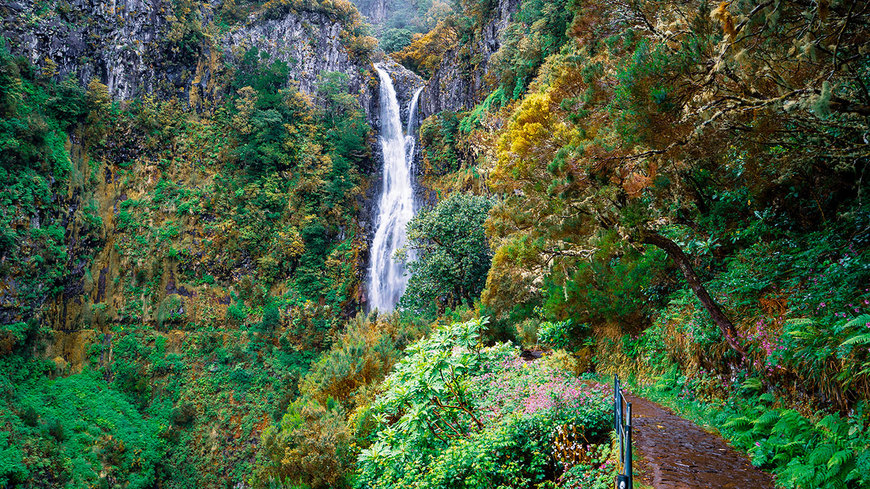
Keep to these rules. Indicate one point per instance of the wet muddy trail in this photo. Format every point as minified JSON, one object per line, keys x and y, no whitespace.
{"x":677,"y":454}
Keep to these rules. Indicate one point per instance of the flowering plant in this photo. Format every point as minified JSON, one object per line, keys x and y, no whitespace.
{"x":457,"y":414}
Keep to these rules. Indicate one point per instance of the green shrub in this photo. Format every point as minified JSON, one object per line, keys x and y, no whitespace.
{"x":555,"y":335}
{"x":92,"y":427}
{"x":237,"y":312}
{"x":457,"y":414}
{"x":395,"y":39}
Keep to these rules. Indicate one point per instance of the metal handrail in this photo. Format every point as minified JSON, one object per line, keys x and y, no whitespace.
{"x":622,"y":425}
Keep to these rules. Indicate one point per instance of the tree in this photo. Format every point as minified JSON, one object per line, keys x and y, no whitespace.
{"x":424,"y":53}
{"x":654,"y":116}
{"x":396,"y":39}
{"x":452,"y":254}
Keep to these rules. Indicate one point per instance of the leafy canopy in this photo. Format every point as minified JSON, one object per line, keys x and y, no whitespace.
{"x":451,"y":253}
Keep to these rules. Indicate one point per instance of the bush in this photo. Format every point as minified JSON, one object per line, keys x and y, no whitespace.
{"x":324,"y":428}
{"x":56,"y":429}
{"x":457,"y":414}
{"x":183,"y":414}
{"x":555,"y":335}
{"x":271,"y":318}
{"x":92,"y":428}
{"x":29,"y":416}
{"x":237,"y":312}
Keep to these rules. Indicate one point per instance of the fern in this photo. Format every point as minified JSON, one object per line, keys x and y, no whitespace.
{"x":835,"y":425}
{"x":838,"y":460}
{"x":753,"y":384}
{"x":790,"y":423}
{"x":798,"y":474}
{"x":859,"y":322}
{"x":742,"y":423}
{"x":767,"y":397}
{"x":822,"y":454}
{"x":744,"y":439}
{"x":798,"y":322}
{"x":801,"y":328}
{"x":766,"y":421}
{"x":782,"y":458}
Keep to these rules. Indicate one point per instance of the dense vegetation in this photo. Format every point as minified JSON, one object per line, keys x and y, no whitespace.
{"x":462,"y":415}
{"x":401,"y":22}
{"x":674,"y":191}
{"x":169,"y":274}
{"x":683,"y":193}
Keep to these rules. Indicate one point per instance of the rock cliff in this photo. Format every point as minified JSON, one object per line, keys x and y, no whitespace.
{"x":374,"y":10}
{"x":310,"y":43}
{"x":162,"y":48}
{"x":459,"y":81}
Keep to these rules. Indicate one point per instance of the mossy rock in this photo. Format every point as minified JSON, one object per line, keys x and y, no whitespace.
{"x":171,"y":311}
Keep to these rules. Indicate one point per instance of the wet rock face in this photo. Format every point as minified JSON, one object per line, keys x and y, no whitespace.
{"x":406,"y":82}
{"x":374,"y":10}
{"x":138,"y":47}
{"x":455,"y":86}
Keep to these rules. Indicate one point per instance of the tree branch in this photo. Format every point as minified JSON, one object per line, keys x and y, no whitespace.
{"x":684,"y":263}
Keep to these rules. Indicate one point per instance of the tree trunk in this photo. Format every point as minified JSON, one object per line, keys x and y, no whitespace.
{"x":682,"y":260}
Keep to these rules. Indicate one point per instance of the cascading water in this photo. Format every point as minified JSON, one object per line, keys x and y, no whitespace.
{"x":387,"y":278}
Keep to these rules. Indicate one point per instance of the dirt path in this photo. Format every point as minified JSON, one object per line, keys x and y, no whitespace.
{"x":677,"y":454}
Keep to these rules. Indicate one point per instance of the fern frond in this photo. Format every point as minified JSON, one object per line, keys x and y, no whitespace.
{"x":745,"y":439}
{"x":861,"y":339}
{"x":789,"y":421}
{"x":798,"y":474}
{"x":781,"y":458}
{"x":822,"y":454}
{"x":740,"y":424}
{"x":793,"y":447}
{"x":753,"y":384}
{"x":801,"y":328}
{"x":799,"y":322}
{"x":833,"y":424}
{"x":766,"y":421}
{"x":859,"y":322}
{"x":839,"y":459}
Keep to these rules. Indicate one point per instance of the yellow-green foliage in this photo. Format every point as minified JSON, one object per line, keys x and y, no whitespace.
{"x":424,"y":53}
{"x":318,"y":439}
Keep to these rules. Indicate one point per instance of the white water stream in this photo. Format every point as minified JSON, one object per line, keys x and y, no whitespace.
{"x":387,"y":279}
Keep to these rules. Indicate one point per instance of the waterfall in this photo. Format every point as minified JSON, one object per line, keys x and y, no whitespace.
{"x":387,"y":278}
{"x":410,"y":139}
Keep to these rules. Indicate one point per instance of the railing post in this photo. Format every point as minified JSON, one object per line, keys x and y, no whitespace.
{"x":622,"y":425}
{"x":616,"y":403}
{"x":628,"y":471}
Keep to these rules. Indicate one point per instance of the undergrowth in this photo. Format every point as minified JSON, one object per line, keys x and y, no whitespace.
{"x":820,"y":450}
